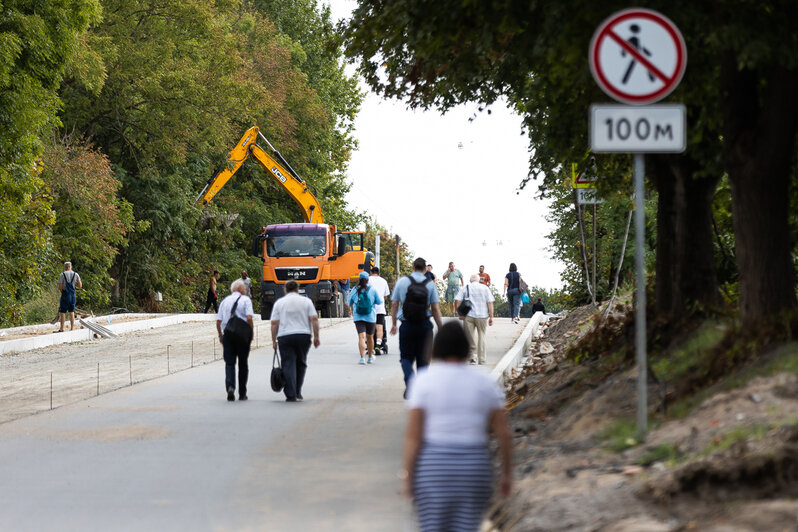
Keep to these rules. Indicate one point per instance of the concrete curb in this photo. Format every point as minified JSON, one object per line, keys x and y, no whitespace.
{"x":514,"y":355}
{"x":151,"y":321}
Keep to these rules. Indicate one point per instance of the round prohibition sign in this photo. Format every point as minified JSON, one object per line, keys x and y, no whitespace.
{"x":637,"y":56}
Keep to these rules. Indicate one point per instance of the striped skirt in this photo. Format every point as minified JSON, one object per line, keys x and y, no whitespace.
{"x":451,"y":487}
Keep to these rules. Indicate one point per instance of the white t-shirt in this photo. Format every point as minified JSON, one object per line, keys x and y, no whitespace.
{"x":457,"y":401}
{"x":243,"y":309}
{"x":293,"y":312}
{"x":381,"y":286}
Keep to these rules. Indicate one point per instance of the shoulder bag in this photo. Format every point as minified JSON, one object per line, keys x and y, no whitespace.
{"x":465,"y":305}
{"x":237,"y":328}
{"x":277,"y":377}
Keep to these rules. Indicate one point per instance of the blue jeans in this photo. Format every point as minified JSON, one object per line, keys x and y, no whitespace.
{"x":514,"y":299}
{"x":414,"y":344}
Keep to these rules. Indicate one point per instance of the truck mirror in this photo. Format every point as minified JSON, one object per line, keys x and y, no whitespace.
{"x":341,"y":245}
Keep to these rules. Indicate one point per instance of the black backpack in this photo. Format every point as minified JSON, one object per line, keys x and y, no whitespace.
{"x":416,"y":300}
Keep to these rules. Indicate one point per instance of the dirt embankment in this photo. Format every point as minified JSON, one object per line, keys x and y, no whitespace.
{"x":731,"y":464}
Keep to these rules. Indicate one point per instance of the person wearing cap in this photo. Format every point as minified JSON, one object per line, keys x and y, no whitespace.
{"x":363,"y":302}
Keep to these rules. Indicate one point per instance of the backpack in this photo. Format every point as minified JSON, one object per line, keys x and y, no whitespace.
{"x":69,"y":288}
{"x":415,"y":305}
{"x":364,"y":304}
{"x":465,"y":305}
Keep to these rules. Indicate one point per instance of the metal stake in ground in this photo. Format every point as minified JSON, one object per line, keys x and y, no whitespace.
{"x":168,"y":370}
{"x":640,"y":298}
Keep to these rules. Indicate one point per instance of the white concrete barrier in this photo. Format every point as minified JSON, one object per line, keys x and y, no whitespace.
{"x":149,"y":321}
{"x":514,"y":355}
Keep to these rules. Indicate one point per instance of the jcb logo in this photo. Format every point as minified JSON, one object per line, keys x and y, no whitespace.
{"x":279,"y":175}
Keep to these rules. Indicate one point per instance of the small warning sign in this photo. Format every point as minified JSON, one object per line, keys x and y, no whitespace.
{"x":582,"y":179}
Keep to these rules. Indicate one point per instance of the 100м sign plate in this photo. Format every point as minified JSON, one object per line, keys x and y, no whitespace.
{"x":637,"y":129}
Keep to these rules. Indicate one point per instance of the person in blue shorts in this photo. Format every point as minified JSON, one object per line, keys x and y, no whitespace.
{"x":68,"y":281}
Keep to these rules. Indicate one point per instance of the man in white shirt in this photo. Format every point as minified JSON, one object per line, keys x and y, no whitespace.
{"x":247,"y":282}
{"x":292,"y":320}
{"x":478,"y":318}
{"x":381,"y":286}
{"x":235,"y":348}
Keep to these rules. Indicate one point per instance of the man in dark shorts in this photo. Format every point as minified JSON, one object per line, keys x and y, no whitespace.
{"x":67,"y":282}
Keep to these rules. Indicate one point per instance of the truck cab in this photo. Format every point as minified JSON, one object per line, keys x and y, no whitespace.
{"x":315,"y":256}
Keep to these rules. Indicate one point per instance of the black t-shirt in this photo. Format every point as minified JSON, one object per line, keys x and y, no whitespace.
{"x":513,"y":277}
{"x":430,"y":276}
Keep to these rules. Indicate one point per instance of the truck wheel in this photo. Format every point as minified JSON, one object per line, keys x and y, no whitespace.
{"x":266,"y":311}
{"x":325,"y":310}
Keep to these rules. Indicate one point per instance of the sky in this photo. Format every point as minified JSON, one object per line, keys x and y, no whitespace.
{"x":449,"y":187}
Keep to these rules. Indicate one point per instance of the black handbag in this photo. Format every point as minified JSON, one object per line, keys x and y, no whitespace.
{"x":237,"y":328}
{"x":277,"y":378}
{"x":465,"y":305}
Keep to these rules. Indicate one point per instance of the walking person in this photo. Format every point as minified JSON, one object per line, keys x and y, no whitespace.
{"x":247,"y":283}
{"x":454,"y":281}
{"x":235,"y":348}
{"x":484,"y":278}
{"x":478,"y":318}
{"x":343,"y":289}
{"x":429,"y":275}
{"x":68,"y":281}
{"x":293,"y":319}
{"x":213,"y":297}
{"x":414,"y":300}
{"x":448,"y":466}
{"x":380,"y":334}
{"x":512,"y":289}
{"x":363,"y":301}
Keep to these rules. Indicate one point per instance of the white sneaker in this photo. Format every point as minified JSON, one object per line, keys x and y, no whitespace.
{"x":362,"y":361}
{"x":371,"y":359}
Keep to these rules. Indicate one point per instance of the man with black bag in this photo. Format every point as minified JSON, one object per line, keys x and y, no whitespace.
{"x":475,"y":307}
{"x":234,"y":324}
{"x":415,"y":299}
{"x":293,"y":317}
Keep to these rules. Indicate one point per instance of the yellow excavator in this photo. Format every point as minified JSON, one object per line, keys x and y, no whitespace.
{"x":313,"y":253}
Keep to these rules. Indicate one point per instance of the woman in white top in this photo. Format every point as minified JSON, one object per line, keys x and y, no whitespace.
{"x":452,"y":408}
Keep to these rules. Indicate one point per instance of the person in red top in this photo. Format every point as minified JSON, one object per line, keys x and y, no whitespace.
{"x":484,"y":278}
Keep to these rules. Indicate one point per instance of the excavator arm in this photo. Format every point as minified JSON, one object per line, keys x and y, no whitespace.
{"x":274,"y":164}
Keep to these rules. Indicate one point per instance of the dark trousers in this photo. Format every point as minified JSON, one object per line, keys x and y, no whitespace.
{"x":294,"y":355}
{"x":212,"y":300}
{"x":235,"y":350}
{"x":414,"y":344}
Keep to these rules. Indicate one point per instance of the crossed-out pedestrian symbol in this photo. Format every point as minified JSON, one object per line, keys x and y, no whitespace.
{"x":637,"y":56}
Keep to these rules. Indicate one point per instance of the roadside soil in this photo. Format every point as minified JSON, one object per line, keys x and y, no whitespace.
{"x":43,"y":329}
{"x":567,"y":478}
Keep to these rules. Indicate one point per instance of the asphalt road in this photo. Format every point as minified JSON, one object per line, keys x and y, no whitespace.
{"x":173,"y":454}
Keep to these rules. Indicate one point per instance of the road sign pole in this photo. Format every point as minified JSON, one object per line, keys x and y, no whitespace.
{"x":640,"y":299}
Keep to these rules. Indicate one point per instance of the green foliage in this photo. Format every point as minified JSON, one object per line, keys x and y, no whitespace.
{"x":620,"y":435}
{"x":388,"y":251}
{"x":91,"y":220}
{"x":43,"y":307}
{"x":664,"y":452}
{"x":37,"y":40}
{"x":738,"y":434}
{"x":165,"y":90}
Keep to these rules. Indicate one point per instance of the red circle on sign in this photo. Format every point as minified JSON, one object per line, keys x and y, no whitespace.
{"x":670,"y":81}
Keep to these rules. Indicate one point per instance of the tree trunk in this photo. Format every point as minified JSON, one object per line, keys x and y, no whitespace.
{"x":658,"y":170}
{"x":685,"y":272}
{"x":759,"y":142}
{"x":695,"y":273}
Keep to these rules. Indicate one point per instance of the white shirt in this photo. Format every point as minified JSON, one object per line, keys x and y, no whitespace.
{"x":381,"y":286}
{"x":457,"y":401}
{"x":248,"y":284}
{"x":479,"y":295}
{"x":293,"y":311}
{"x":243,"y":309}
